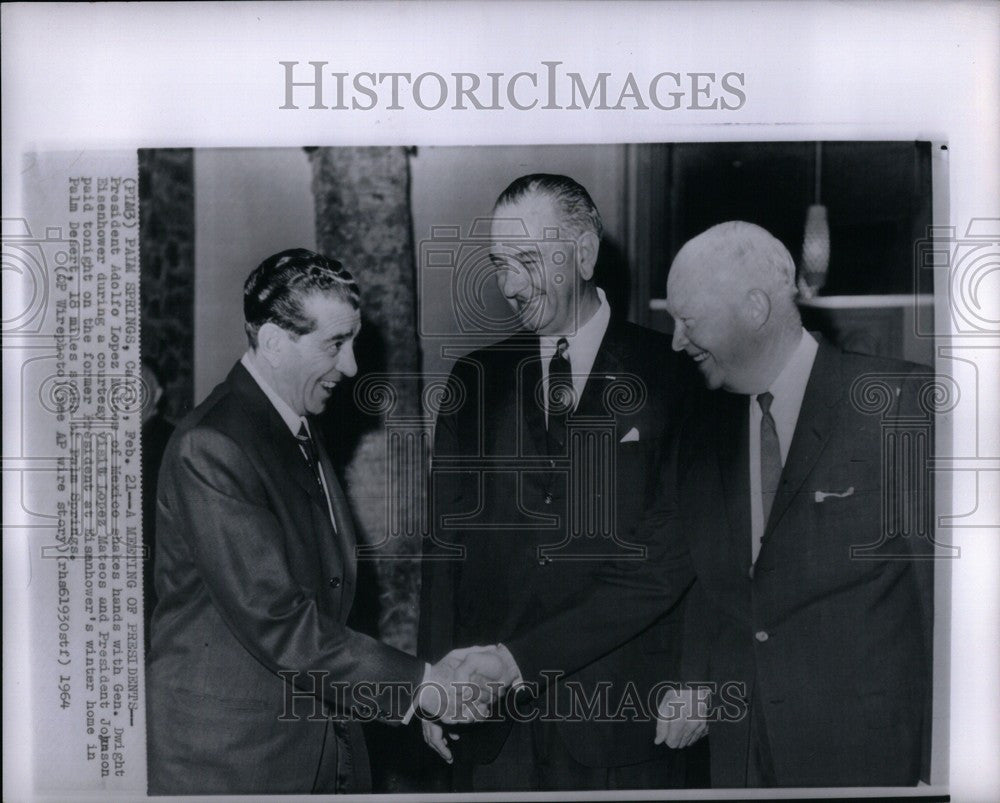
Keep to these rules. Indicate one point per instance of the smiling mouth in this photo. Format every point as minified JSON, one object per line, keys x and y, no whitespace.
{"x":700,"y":356}
{"x":328,"y":386}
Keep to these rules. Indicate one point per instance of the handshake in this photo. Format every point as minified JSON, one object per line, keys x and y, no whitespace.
{"x":461,"y":688}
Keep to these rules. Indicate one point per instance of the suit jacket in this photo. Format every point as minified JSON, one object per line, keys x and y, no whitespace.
{"x":253,"y":580}
{"x":835,"y":643}
{"x":507,"y":503}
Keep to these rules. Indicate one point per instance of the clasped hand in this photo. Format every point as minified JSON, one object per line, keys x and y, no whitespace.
{"x":461,"y":688}
{"x":681,"y":718}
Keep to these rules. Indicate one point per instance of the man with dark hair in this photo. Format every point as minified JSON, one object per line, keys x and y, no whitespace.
{"x":559,"y":432}
{"x":799,"y":498}
{"x":253,"y":676}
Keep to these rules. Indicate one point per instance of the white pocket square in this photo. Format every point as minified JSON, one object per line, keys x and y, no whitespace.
{"x":632,"y":436}
{"x":820,"y":496}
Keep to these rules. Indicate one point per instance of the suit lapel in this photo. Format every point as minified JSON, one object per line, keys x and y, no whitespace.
{"x":276,"y":435}
{"x":345,"y":538}
{"x":529,"y":377}
{"x":608,"y":362}
{"x":334,"y":549}
{"x":816,"y":422}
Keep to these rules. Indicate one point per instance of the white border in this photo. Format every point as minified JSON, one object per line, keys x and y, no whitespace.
{"x":125,"y":76}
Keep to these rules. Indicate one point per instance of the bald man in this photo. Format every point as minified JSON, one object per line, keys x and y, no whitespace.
{"x":810,"y":618}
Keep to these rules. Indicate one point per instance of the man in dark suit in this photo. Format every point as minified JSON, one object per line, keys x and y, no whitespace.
{"x":539,"y":473}
{"x":254,"y":682}
{"x":799,"y":500}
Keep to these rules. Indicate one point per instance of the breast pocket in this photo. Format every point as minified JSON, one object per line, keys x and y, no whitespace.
{"x":849,"y":493}
{"x":637,"y":457}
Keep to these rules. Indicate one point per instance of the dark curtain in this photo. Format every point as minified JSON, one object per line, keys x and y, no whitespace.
{"x":166,"y":232}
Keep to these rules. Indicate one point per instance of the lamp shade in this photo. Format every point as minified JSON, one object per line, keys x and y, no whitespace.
{"x":815,"y":252}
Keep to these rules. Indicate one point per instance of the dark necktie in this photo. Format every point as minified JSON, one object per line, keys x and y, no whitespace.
{"x":560,"y":397}
{"x":310,"y":452}
{"x":770,"y":459}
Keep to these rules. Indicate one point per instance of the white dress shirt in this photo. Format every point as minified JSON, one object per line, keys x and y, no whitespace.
{"x":581,"y":350}
{"x":292,"y":420}
{"x":788,"y":390}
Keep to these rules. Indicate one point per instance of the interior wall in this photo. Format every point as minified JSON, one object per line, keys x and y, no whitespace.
{"x":249,"y":203}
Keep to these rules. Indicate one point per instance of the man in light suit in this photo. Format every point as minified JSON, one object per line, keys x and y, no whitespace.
{"x":551,"y":484}
{"x":811,"y":616}
{"x":254,"y":682}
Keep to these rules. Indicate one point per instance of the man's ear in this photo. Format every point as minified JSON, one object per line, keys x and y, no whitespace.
{"x":271,"y":341}
{"x":758,"y":307}
{"x":587,"y":246}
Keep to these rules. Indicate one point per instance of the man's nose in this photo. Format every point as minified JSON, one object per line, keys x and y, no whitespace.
{"x":346,"y":363}
{"x":512,"y":281}
{"x":680,"y":338}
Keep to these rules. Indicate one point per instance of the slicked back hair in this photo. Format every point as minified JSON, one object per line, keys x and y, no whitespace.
{"x":276,"y":289}
{"x":578,"y":210}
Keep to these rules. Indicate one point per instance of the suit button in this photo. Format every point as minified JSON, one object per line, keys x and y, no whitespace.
{"x":548,"y":499}
{"x":334,"y":582}
{"x":761,"y":636}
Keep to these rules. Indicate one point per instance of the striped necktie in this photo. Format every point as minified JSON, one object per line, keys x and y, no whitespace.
{"x":310,"y":452}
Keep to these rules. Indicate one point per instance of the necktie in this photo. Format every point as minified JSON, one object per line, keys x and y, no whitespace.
{"x":560,"y":396}
{"x":770,"y":460}
{"x":310,"y":452}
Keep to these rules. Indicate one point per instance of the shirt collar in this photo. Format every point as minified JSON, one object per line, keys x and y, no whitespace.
{"x":586,"y":339}
{"x":794,"y":377}
{"x":292,"y":420}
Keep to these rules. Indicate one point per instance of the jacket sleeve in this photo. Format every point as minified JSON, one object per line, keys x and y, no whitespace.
{"x":701,"y":627}
{"x":238,"y":547}
{"x":622,"y":599}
